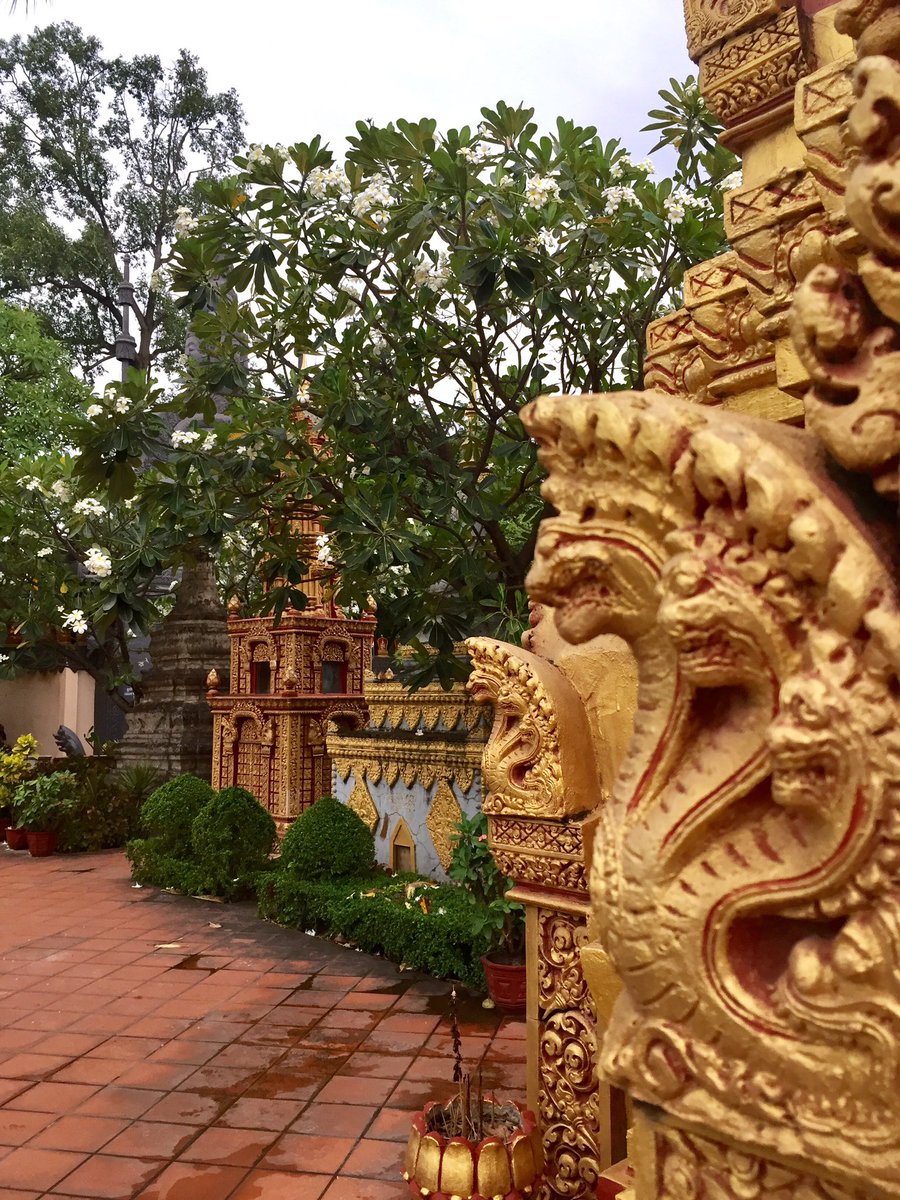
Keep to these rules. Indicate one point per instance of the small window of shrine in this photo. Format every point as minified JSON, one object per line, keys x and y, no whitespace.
{"x":260,"y":678}
{"x":403,"y":849}
{"x":334,"y":677}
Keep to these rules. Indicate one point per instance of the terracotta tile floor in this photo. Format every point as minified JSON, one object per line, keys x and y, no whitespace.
{"x":165,"y":1048}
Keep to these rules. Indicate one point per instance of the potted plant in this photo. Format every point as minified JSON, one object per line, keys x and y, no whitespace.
{"x":16,"y":764}
{"x":499,"y":922}
{"x":474,"y":1147}
{"x":41,"y":807}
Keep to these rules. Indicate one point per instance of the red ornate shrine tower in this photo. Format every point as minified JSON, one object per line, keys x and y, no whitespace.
{"x":288,"y":684}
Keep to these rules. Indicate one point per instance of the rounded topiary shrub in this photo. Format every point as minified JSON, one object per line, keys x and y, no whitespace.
{"x":168,"y":813}
{"x":232,"y":836}
{"x":327,"y":841}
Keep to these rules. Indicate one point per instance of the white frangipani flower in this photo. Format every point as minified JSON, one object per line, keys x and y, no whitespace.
{"x":323,"y":549}
{"x":98,"y":562}
{"x":545,"y":241}
{"x":89,"y":507}
{"x":646,"y":165}
{"x":540,"y":190}
{"x":322,"y":180}
{"x":30,"y":483}
{"x":257,"y":157}
{"x":184,"y":437}
{"x":123,"y":405}
{"x":619,"y":167}
{"x":75,"y":621}
{"x":44,"y":552}
{"x":732,"y":181}
{"x":433,"y":276}
{"x":209,"y":442}
{"x":618,"y":195}
{"x":61,"y":490}
{"x":477,"y":153}
{"x":376,"y":194}
{"x":185,"y":221}
{"x":94,"y":410}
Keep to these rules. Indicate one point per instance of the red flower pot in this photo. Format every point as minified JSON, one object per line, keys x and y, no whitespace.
{"x":16,"y":839}
{"x":42,"y":843}
{"x":506,"y":984}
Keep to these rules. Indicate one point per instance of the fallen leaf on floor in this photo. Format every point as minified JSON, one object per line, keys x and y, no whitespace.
{"x":213,"y":925}
{"x":169,"y":946}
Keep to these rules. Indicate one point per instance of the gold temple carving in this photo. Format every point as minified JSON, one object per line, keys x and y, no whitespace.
{"x":740,"y":944}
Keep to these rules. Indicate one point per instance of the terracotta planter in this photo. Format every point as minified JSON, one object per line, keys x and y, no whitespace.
{"x":492,"y":1169}
{"x":41,"y":843}
{"x":506,"y":984}
{"x":16,"y":839}
{"x":4,"y":825}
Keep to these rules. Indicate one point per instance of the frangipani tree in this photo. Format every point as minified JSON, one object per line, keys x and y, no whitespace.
{"x":416,"y":295}
{"x":409,"y":300}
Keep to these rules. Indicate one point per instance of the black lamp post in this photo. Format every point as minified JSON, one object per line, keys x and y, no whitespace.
{"x":125,"y":346}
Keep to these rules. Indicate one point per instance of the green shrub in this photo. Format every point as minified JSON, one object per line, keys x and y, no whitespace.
{"x":43,"y":804}
{"x":328,"y":841}
{"x":102,"y":814}
{"x":232,"y":837}
{"x":382,"y":915}
{"x":169,"y":813}
{"x":150,"y":865}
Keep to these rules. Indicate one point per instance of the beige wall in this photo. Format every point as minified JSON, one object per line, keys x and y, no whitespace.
{"x":40,"y":703}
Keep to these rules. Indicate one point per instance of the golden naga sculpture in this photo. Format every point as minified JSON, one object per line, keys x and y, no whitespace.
{"x":746,"y":869}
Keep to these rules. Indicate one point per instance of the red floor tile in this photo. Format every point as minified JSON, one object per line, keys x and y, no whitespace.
{"x":105,"y":1177}
{"x":308,"y":1152}
{"x":392,"y":1124}
{"x":18,"y":1127}
{"x":91,"y":1070}
{"x":369,"y":1001}
{"x":116,"y":1101}
{"x":374,"y":1158}
{"x":157,"y":1076}
{"x":29,"y":1167}
{"x":31,"y":1066}
{"x":190,"y":1052}
{"x":151,"y":1139}
{"x":351,"y":1090}
{"x":278,"y":1185}
{"x":194,"y":1181}
{"x":79,"y":1133}
{"x":333,"y":1120}
{"x":378,"y":1066}
{"x":366,"y":1189}
{"x":259,"y":1113}
{"x":185,"y":1108}
{"x":53,"y":1097}
{"x":231,"y":1147}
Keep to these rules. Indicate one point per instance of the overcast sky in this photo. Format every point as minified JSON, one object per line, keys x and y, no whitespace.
{"x":317,"y":66}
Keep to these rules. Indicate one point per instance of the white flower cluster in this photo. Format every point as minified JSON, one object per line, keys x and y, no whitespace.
{"x":322,"y":180}
{"x":44,"y":552}
{"x":618,"y":195}
{"x":544,"y":240}
{"x":98,"y":563}
{"x":540,"y":190}
{"x":31,"y":484}
{"x":75,"y":621}
{"x":323,"y":549}
{"x":678,"y":203}
{"x":732,"y":181}
{"x":94,"y":410}
{"x":122,"y":405}
{"x":617,"y":170}
{"x":433,"y":276}
{"x":209,"y":442}
{"x":61,"y":490}
{"x":184,"y":437}
{"x":376,"y":194}
{"x":158,"y":279}
{"x":4,"y":658}
{"x":352,"y":287}
{"x":647,"y":272}
{"x":476,"y":154}
{"x":89,"y":507}
{"x":185,"y":221}
{"x":257,"y":157}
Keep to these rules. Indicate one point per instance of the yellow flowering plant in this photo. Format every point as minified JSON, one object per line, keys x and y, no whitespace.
{"x":16,"y":765}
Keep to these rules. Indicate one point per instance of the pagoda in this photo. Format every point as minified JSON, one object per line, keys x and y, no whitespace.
{"x":291,"y":679}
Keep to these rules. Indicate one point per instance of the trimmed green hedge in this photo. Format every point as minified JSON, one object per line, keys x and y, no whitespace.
{"x":328,"y":841}
{"x":232,"y":837}
{"x":382,"y":915}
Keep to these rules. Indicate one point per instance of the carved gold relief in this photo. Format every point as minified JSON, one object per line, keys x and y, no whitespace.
{"x":443,"y":815}
{"x":755,"y":69}
{"x":711,"y":21}
{"x":747,"y":870}
{"x":362,"y":804}
{"x":569,"y":1105}
{"x":846,"y":319}
{"x":392,"y":706}
{"x":524,"y":760}
{"x":406,"y":759}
